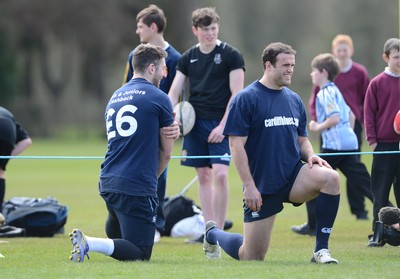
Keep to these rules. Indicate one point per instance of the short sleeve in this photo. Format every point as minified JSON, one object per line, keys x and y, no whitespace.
{"x":239,"y":117}
{"x":166,"y":115}
{"x":326,"y":105}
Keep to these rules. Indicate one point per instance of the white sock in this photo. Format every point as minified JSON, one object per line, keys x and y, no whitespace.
{"x":101,"y":245}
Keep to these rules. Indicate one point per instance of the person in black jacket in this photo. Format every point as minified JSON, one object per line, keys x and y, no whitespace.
{"x":13,"y":140}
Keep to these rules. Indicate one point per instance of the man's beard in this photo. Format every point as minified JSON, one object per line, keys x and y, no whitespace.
{"x":156,"y":81}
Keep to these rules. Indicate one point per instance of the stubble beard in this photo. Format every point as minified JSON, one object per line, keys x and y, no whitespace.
{"x":156,"y":81}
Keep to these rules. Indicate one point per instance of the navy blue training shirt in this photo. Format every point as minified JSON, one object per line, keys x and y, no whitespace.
{"x":272,"y":120}
{"x":134,"y":116}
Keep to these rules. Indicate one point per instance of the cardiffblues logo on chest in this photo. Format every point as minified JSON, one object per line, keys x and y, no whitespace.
{"x":281,"y":121}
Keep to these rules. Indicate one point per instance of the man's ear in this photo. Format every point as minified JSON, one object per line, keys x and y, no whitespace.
{"x":268,"y":65}
{"x":385,"y":57}
{"x":194,"y":30}
{"x":153,"y":27}
{"x":151,"y":69}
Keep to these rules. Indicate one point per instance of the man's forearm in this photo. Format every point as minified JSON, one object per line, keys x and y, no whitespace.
{"x":306,"y":149}
{"x":163,"y":160}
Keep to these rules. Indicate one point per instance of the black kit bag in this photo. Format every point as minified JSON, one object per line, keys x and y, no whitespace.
{"x":38,"y":216}
{"x":176,"y":209}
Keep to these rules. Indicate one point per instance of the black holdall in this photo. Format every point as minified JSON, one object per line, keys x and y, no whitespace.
{"x":41,"y":217}
{"x":176,"y":209}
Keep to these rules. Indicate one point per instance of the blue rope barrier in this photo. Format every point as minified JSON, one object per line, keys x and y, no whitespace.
{"x":183,"y":157}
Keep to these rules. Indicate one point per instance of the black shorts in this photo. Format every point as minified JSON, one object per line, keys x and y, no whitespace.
{"x":136,"y":216}
{"x":272,"y":203}
{"x":5,"y":150}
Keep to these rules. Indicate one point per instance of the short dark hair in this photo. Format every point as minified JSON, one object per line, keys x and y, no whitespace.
{"x":146,"y":54}
{"x":204,"y":17}
{"x":328,"y":62}
{"x":153,"y":14}
{"x":392,"y":43}
{"x":273,"y":50}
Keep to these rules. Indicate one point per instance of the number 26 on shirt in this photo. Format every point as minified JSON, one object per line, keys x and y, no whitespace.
{"x":123,"y":123}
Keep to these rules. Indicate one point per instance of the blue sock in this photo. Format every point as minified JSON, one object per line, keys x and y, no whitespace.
{"x":229,"y":242}
{"x":325,"y":210}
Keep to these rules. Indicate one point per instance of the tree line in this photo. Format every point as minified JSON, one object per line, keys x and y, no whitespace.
{"x":61,"y":60}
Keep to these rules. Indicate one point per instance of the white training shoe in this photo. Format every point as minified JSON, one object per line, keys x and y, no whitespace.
{"x":323,"y":256}
{"x":212,"y":251}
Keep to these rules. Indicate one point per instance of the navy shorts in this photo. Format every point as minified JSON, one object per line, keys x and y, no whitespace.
{"x":196,"y":144}
{"x":272,"y":203}
{"x":136,"y":216}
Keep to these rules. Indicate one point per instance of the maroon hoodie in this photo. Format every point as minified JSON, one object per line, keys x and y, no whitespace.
{"x":382,"y":102}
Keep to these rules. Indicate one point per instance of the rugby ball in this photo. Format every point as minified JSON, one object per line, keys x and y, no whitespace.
{"x":396,"y":123}
{"x":185,"y":115}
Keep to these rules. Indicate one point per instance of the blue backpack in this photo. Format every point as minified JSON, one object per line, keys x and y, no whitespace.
{"x":38,"y":216}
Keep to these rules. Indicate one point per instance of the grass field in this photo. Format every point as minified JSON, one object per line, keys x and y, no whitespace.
{"x":74,"y":183}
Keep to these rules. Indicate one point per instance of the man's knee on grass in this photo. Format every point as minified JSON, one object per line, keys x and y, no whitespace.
{"x":126,"y":251}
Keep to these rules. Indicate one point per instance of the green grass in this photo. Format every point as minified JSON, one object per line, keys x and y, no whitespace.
{"x":74,"y":183}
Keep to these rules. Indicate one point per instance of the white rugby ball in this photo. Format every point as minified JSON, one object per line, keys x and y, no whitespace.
{"x":184,"y":113}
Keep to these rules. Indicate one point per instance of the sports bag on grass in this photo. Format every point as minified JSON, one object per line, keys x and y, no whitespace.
{"x":182,"y":217}
{"x":38,"y":216}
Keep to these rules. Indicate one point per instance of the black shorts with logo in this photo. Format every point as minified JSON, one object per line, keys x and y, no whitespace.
{"x":272,"y":203}
{"x":135,"y":216}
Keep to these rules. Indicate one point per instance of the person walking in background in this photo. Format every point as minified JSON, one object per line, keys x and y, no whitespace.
{"x":264,"y":118}
{"x":141,"y":131}
{"x":13,"y":140}
{"x":335,"y":122}
{"x":151,"y":23}
{"x":382,"y":102}
{"x":215,"y":71}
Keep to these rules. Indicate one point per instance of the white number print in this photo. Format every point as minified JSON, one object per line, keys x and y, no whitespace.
{"x":123,"y":119}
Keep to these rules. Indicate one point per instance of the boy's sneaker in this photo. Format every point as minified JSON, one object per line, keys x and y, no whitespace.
{"x":323,"y":256}
{"x":303,"y":229}
{"x":80,"y":246}
{"x":212,"y":251}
